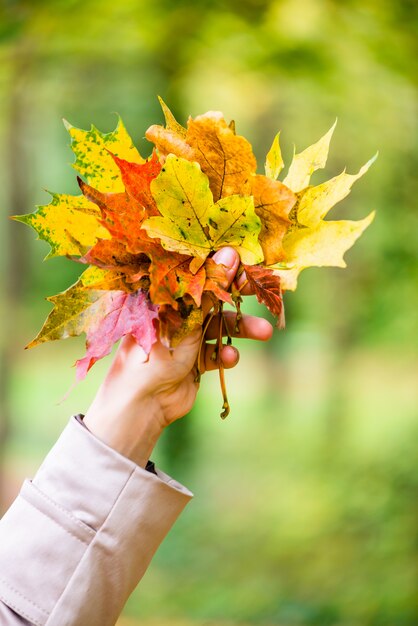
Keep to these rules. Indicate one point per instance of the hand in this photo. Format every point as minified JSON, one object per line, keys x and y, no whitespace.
{"x":141,"y":396}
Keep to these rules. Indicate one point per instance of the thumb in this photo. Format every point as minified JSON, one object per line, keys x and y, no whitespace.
{"x":229,"y":258}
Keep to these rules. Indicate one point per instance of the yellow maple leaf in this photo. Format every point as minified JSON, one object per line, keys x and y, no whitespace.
{"x":310,"y":240}
{"x":70,"y":224}
{"x":93,"y":159}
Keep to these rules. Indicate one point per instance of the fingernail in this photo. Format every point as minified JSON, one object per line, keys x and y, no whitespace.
{"x":226,"y":256}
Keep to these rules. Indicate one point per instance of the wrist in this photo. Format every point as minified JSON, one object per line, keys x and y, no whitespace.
{"x":131,"y":429}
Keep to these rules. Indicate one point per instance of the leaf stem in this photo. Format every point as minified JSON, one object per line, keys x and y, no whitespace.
{"x":243,"y":285}
{"x":202,"y":340}
{"x":237,"y":298}
{"x":225,"y":406}
{"x":228,"y":335}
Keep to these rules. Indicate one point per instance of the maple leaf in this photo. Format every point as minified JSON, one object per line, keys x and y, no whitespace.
{"x":68,"y":223}
{"x":190,"y":223}
{"x":311,"y":240}
{"x":266,"y":286}
{"x":125,"y":314}
{"x":93,"y":151}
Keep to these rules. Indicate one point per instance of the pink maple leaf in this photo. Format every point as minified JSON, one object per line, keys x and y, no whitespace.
{"x":125,"y":314}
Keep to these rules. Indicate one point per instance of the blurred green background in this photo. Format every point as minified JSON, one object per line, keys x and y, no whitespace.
{"x":305,"y":506}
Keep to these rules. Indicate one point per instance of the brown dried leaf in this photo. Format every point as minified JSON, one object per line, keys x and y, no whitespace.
{"x":266,"y":286}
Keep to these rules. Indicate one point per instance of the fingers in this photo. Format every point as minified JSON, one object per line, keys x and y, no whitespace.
{"x":229,"y":258}
{"x":250,"y":327}
{"x":229,"y":357}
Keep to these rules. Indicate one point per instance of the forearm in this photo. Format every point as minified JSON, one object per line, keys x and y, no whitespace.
{"x":80,"y":536}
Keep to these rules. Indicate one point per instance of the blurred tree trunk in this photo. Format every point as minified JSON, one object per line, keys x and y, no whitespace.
{"x":15,"y":246}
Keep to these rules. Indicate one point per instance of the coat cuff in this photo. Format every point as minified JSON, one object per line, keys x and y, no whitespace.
{"x":80,"y":536}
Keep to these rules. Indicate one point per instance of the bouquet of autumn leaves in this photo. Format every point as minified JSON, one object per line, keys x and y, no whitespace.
{"x":147,"y":230}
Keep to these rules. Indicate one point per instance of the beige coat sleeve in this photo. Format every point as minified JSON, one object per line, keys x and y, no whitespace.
{"x":79,"y":537}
